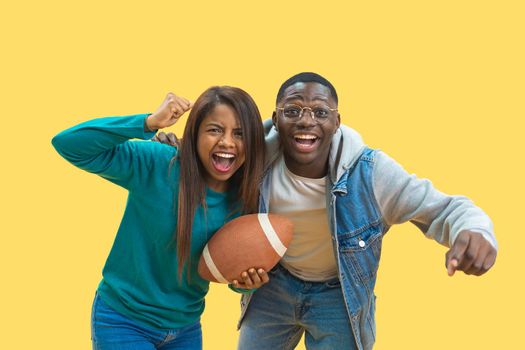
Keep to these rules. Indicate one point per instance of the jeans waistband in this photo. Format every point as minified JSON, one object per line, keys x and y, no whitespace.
{"x":281,"y":269}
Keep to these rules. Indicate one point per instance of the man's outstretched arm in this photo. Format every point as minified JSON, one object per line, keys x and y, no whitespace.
{"x":453,"y":221}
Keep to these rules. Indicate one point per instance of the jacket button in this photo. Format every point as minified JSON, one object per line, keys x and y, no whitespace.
{"x":361,"y":243}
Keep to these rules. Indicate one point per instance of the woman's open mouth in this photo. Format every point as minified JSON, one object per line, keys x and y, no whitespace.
{"x":223,"y":162}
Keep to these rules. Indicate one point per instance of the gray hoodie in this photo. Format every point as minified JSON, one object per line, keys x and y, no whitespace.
{"x":401,"y":196}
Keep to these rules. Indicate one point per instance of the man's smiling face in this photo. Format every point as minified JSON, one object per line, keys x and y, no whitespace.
{"x":306,"y":142}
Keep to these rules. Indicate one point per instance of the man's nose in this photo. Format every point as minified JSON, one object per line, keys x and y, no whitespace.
{"x":307,"y":118}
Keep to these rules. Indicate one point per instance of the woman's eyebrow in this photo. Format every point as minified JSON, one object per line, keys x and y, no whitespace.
{"x":214,"y":124}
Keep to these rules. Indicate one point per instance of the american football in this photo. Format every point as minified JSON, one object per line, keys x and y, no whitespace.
{"x":254,"y":240}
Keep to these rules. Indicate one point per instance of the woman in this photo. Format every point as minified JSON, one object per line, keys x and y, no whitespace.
{"x":151,"y":296}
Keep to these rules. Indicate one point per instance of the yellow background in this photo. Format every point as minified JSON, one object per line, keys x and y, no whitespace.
{"x":439,"y":85}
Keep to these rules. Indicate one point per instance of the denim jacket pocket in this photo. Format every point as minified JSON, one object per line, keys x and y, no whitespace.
{"x":361,"y":249}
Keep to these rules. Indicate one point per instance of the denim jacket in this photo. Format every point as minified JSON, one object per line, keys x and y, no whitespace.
{"x":366,"y":193}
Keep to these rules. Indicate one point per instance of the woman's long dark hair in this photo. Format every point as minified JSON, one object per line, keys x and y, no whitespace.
{"x":192,"y":186}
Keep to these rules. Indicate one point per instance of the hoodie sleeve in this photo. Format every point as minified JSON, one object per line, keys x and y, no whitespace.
{"x":405,"y":197}
{"x":101,"y":146}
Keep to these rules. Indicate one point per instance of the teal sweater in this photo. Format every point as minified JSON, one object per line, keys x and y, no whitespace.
{"x":140,"y":275}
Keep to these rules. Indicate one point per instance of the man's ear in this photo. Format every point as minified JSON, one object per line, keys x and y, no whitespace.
{"x":274,"y":121}
{"x":338,"y":121}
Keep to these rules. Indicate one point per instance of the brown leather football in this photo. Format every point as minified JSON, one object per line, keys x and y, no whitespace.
{"x":254,"y":240}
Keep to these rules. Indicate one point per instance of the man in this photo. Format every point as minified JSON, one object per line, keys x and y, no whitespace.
{"x":342,"y":198}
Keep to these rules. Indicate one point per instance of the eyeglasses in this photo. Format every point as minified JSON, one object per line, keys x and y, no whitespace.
{"x":292,"y":113}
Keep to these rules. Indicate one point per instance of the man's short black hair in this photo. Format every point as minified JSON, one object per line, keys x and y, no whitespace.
{"x":306,"y":77}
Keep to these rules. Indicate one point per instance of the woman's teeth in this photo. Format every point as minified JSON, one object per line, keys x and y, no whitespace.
{"x":224,"y":155}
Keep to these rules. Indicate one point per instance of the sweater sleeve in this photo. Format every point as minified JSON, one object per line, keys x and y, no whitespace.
{"x":241,"y":290}
{"x":405,"y":197}
{"x":101,"y":146}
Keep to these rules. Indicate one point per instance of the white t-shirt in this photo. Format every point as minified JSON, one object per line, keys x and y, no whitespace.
{"x":310,"y":255}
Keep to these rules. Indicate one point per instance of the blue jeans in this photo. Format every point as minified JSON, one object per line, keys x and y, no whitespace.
{"x":286,"y":307}
{"x":113,"y":331}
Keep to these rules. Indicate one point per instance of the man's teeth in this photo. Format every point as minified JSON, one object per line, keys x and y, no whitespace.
{"x":305,"y":137}
{"x":225,"y":155}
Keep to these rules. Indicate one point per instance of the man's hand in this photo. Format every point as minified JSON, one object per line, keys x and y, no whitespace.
{"x":470,"y":253}
{"x":171,"y":109}
{"x":252,"y":279}
{"x":167,"y":138}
